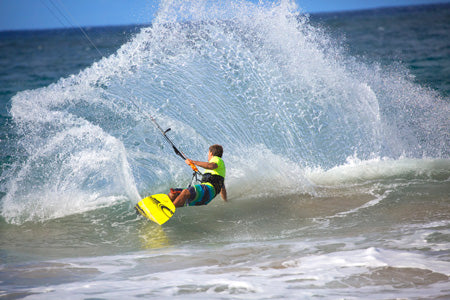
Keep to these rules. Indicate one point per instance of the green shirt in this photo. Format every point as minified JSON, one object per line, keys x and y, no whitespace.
{"x":215,"y":177}
{"x":220,"y":170}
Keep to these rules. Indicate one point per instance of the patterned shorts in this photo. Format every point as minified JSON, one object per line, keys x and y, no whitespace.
{"x":201,"y":194}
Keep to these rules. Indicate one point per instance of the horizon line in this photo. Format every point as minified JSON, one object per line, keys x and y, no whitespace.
{"x":90,"y":27}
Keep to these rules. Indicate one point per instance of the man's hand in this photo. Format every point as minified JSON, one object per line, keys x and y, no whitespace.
{"x":191,"y":164}
{"x":223,"y":193}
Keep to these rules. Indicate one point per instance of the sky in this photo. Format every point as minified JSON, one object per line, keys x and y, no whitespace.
{"x":46,"y":14}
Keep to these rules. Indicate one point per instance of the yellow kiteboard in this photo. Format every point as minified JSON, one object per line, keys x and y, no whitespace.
{"x":158,"y":208}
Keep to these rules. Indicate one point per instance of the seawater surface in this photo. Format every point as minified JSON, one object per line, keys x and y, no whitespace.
{"x":336,"y":136}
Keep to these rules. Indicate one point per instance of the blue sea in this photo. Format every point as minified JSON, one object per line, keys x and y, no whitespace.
{"x":336,"y":133}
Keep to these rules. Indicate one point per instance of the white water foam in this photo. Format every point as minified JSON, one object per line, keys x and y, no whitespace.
{"x":236,"y":272}
{"x":357,"y":171}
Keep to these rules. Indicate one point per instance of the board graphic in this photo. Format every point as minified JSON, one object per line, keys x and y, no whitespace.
{"x":157,"y":208}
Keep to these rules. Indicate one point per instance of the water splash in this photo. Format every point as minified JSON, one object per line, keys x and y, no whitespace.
{"x":274,"y":90}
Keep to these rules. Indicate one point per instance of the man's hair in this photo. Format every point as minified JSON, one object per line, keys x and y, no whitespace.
{"x":216,"y":150}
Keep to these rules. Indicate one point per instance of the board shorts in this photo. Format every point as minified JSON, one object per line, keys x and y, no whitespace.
{"x":201,"y":194}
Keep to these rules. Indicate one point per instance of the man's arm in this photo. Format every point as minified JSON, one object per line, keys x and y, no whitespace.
{"x":223,"y":193}
{"x":202,"y":164}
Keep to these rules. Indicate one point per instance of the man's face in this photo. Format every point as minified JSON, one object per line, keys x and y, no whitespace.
{"x":209,"y":155}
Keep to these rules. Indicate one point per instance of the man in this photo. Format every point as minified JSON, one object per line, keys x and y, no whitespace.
{"x":212,"y":183}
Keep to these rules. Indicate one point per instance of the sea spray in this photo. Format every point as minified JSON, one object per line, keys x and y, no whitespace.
{"x":258,"y":79}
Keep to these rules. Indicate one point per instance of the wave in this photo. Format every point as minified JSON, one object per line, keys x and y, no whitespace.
{"x":274,"y":90}
{"x":356,"y":171}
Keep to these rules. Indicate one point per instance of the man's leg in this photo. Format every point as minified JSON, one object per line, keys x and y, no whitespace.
{"x":181,"y":199}
{"x":174,"y":192}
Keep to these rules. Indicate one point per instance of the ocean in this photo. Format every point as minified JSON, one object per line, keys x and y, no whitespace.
{"x":335,"y":128}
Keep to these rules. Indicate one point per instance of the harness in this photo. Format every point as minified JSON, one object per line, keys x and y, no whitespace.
{"x":216,"y":181}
